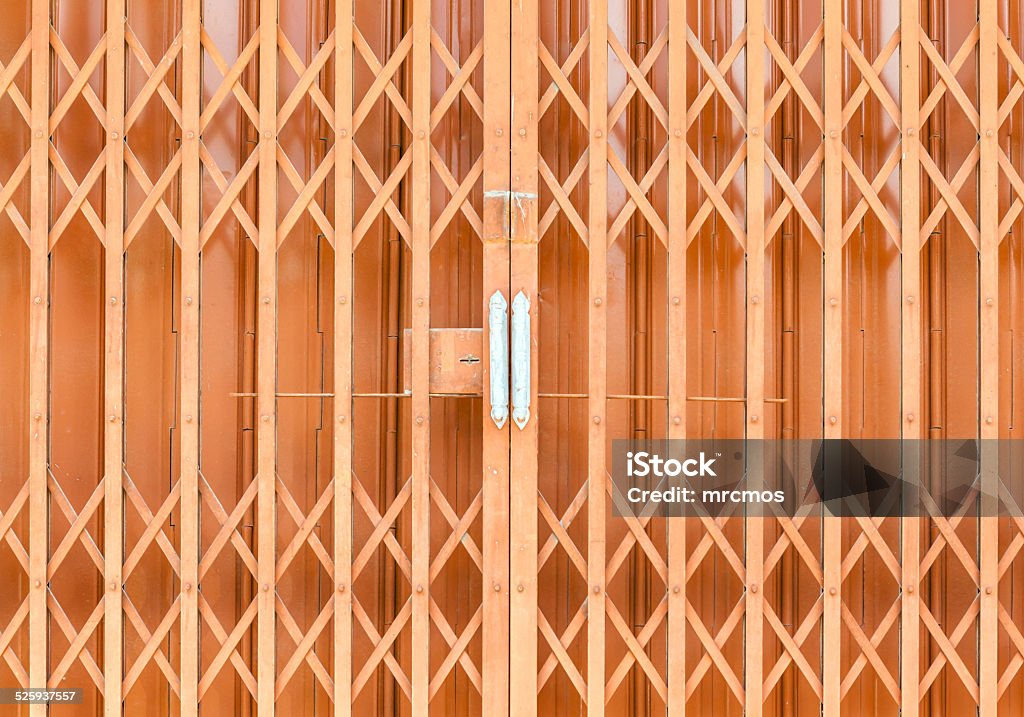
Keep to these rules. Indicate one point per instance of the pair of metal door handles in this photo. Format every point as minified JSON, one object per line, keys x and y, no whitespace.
{"x":497,"y":321}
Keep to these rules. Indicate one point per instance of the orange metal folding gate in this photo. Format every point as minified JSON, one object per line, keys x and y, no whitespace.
{"x":227,"y":226}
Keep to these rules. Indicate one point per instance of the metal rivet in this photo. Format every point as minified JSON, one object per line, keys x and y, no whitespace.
{"x":676,"y":420}
{"x":597,"y":589}
{"x":753,"y":419}
{"x":497,"y":588}
{"x":910,"y":418}
{"x":988,"y":591}
{"x":910,"y":131}
{"x":419,"y":420}
{"x":597,"y":419}
{"x":675,"y":589}
{"x":266,"y":299}
{"x":753,"y":587}
{"x":113,"y":300}
{"x":910,"y":589}
{"x":598,"y":301}
{"x":341,"y":587}
{"x":341,"y":419}
{"x":188,"y":587}
{"x":188,"y":301}
{"x":113,"y":135}
{"x":266,"y":587}
{"x":421,"y":134}
{"x":191,"y":135}
{"x":37,"y":416}
{"x":342,"y":299}
{"x":831,"y":591}
{"x":419,"y":302}
{"x":188,"y":419}
{"x":39,"y":133}
{"x":267,"y":134}
{"x":112,"y":418}
{"x":599,"y":133}
{"x":989,"y":301}
{"x":113,"y":586}
{"x":522,"y":132}
{"x":675,"y":301}
{"x":499,"y":131}
{"x":264,"y":418}
{"x":833,"y":301}
{"x":419,"y":588}
{"x":910,"y":299}
{"x":833,"y":134}
{"x":37,"y":300}
{"x":832,"y":420}
{"x":988,"y":419}
{"x":519,"y":587}
{"x":755,"y":299}
{"x":988,"y":133}
{"x":343,"y":133}
{"x":677,"y":133}
{"x":39,"y":584}
{"x":755,"y":131}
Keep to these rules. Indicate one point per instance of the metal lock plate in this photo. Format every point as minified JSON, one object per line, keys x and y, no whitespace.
{"x":456,"y":361}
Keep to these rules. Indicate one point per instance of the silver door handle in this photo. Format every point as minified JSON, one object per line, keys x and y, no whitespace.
{"x":497,"y":321}
{"x":521,"y":360}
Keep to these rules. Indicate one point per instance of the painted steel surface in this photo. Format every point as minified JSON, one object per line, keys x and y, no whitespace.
{"x":726,"y":218}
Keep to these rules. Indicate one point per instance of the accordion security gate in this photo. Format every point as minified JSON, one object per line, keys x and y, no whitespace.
{"x":247,"y":463}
